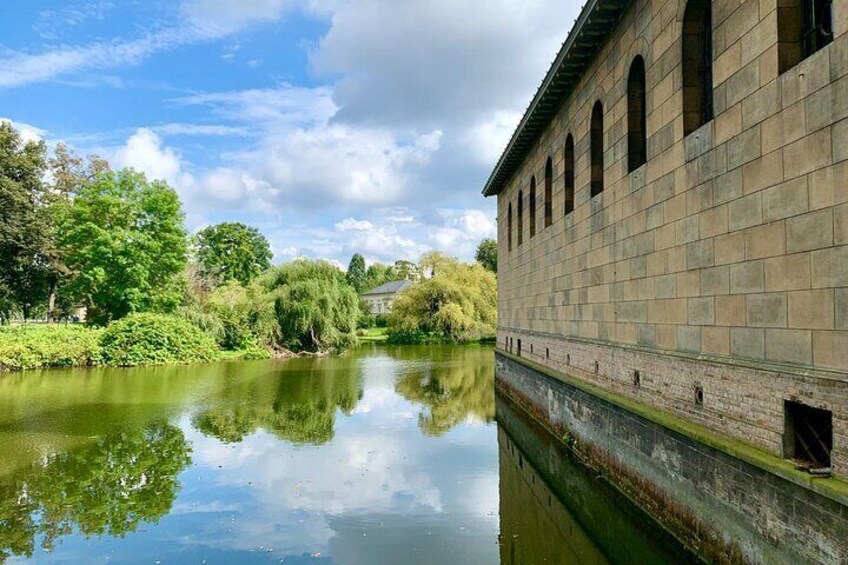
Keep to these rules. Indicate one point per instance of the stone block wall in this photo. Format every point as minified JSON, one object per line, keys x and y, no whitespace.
{"x":727,"y":249}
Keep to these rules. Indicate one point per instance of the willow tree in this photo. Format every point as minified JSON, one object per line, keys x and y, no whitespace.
{"x":316,"y":308}
{"x":455,"y":302}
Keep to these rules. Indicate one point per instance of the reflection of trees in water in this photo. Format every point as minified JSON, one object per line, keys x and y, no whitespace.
{"x":452,"y":392}
{"x":110,"y":487}
{"x":298,"y":407}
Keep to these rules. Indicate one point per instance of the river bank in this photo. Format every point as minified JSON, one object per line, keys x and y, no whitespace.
{"x":139,"y":340}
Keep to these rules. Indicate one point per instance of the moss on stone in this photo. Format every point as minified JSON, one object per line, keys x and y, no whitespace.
{"x":833,"y":488}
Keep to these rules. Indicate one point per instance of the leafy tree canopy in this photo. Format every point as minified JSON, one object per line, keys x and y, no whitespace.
{"x":24,"y":221}
{"x":232,"y":251}
{"x":125,"y":242}
{"x":487,"y":254}
{"x":356,"y":273}
{"x":457,"y":302}
{"x":316,"y":308}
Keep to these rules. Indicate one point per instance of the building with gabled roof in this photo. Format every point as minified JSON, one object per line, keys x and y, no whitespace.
{"x":381,"y":298}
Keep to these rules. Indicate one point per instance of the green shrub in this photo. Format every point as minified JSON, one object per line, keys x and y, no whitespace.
{"x":54,"y":345}
{"x":155,"y":339}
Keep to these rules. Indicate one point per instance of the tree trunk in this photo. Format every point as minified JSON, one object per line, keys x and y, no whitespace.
{"x":51,"y":303}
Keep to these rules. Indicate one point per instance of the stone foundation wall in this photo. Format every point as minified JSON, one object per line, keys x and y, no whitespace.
{"x":738,"y":509}
{"x":668,"y":380}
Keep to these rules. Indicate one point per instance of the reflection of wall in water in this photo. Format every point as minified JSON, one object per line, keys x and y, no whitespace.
{"x":535,"y":526}
{"x":555,"y":510}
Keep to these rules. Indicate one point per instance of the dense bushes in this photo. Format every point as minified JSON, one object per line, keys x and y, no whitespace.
{"x":155,"y":339}
{"x":31,"y":347}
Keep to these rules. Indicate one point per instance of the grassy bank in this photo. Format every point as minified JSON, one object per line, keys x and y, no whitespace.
{"x":373,"y":335}
{"x":140,"y":339}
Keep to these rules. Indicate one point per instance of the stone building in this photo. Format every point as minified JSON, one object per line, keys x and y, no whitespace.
{"x":381,"y":298}
{"x":673,"y":232}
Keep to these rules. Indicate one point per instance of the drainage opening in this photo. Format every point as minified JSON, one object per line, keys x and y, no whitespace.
{"x":637,"y":378}
{"x":699,"y":395}
{"x":808,"y":436}
{"x":547,"y":353}
{"x":597,"y":367}
{"x":519,"y":348}
{"x":568,"y":358}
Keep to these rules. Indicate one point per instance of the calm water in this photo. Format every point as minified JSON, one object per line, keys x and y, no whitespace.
{"x":388,"y":455}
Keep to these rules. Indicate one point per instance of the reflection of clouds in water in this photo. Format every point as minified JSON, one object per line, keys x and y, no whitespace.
{"x":295,"y":497}
{"x":361,"y":472}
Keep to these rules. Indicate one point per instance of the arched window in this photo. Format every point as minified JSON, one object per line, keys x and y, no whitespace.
{"x":803,"y":27}
{"x":569,"y":174}
{"x":597,"y":148}
{"x":697,"y":65}
{"x":509,"y":227}
{"x":532,"y":205}
{"x":549,"y":192}
{"x":520,"y":217}
{"x":637,"y":128}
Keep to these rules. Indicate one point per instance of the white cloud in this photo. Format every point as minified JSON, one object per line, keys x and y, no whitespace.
{"x":488,"y":138}
{"x":203,"y":20}
{"x":22,"y":68}
{"x":145,"y":152}
{"x":221,"y":17}
{"x":350,"y":224}
{"x":205,"y":130}
{"x":28,"y":132}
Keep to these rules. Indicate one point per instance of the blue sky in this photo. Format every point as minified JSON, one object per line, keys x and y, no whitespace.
{"x":334,"y":126}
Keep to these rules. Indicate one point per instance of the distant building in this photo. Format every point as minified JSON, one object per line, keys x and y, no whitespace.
{"x":381,"y":298}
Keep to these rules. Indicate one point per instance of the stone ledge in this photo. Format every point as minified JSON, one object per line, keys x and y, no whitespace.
{"x":832,"y":488}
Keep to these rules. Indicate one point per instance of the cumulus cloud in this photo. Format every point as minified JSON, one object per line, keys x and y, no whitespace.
{"x":145,"y":152}
{"x":306,"y":159}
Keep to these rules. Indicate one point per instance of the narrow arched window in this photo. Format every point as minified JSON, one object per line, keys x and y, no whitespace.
{"x":637,"y":120}
{"x":532,"y":205}
{"x":597,"y":148}
{"x":803,"y":27}
{"x":520,"y":217}
{"x":569,"y":174}
{"x":697,"y":65}
{"x":549,"y":192}
{"x":509,"y":227}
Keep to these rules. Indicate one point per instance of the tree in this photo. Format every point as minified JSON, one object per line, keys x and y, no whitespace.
{"x":487,"y":254}
{"x":458,"y":302}
{"x":69,"y":174}
{"x":232,"y":251}
{"x":356,"y":274}
{"x":377,"y":274}
{"x":405,"y":270}
{"x":316,"y":309}
{"x":24,"y":222}
{"x":125,"y":243}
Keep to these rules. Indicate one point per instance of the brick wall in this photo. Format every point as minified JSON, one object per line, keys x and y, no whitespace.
{"x":729,"y":248}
